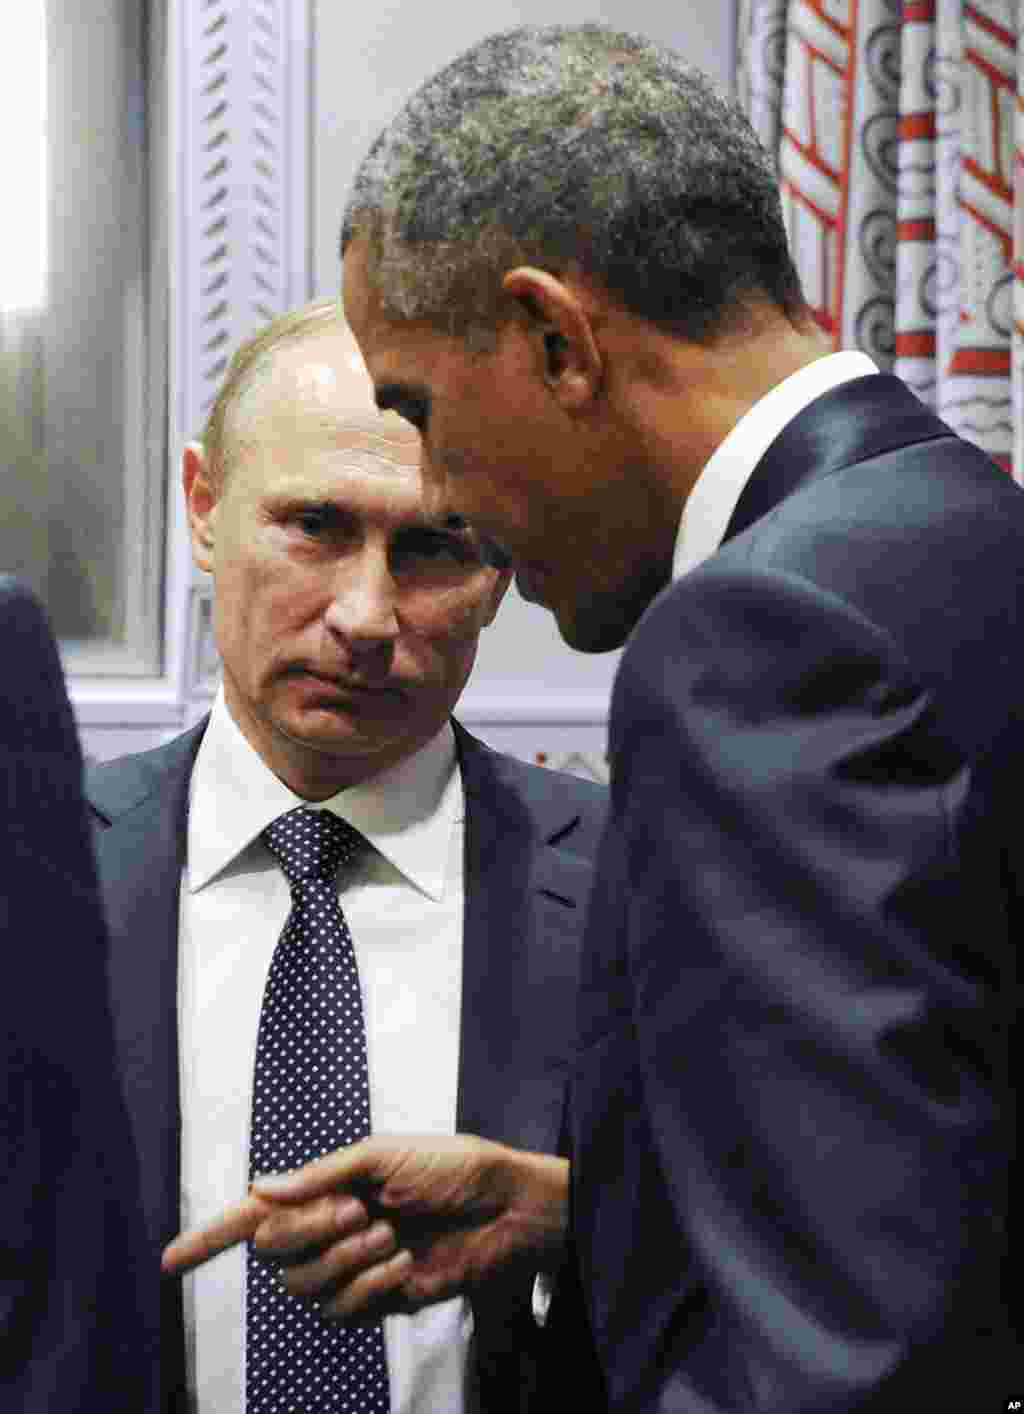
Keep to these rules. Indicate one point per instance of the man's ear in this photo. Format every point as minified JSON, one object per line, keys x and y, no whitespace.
{"x":561,"y":323}
{"x":200,"y":503}
{"x":502,"y":580}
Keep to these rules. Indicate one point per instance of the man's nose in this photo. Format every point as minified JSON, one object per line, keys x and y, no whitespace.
{"x":363,"y":607}
{"x":432,"y":488}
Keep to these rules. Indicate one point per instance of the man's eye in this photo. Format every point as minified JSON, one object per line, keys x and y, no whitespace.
{"x":314,"y":522}
{"x":414,"y":413}
{"x":430,"y":545}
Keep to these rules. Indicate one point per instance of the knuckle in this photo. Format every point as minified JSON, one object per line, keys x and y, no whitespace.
{"x":266,"y":1236}
{"x":421,"y":1290}
{"x":337,"y":1264}
{"x":345,"y":1306}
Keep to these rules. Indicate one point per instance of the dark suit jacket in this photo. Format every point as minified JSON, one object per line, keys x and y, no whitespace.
{"x":530,"y":838}
{"x":71,"y":1336}
{"x":793,"y":1112}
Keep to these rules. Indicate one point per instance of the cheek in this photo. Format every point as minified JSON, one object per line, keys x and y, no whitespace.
{"x":500,"y":490}
{"x":441,"y":614}
{"x":443,"y":630}
{"x":260,"y":596}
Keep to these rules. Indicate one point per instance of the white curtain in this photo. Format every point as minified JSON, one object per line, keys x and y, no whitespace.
{"x":899,"y":135}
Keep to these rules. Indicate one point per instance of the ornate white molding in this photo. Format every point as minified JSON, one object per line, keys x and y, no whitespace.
{"x":242,"y":250}
{"x":240,"y":234}
{"x":204,"y":669}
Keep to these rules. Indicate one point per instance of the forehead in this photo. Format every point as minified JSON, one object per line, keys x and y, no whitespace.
{"x":311,"y":404}
{"x":321,"y":374}
{"x":394,"y":349}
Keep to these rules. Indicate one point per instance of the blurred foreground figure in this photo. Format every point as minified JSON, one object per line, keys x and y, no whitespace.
{"x":72,"y":1336}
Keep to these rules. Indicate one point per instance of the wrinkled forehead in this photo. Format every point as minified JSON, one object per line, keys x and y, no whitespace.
{"x":324,"y":364}
{"x":318,"y":391}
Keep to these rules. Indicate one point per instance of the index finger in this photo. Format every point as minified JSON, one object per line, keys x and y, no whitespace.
{"x":368,"y":1163}
{"x":237,"y":1224}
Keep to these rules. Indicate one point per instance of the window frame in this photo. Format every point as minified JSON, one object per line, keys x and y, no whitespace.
{"x":229,"y":102}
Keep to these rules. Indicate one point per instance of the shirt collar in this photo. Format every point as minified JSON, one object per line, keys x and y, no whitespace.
{"x":713,"y":498}
{"x":407,"y":812}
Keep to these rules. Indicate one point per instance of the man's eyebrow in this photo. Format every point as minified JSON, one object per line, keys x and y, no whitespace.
{"x":396,"y":395}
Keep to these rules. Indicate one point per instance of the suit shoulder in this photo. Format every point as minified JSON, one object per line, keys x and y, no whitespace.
{"x":590,"y":797}
{"x":568,"y":809}
{"x":546,"y":780}
{"x":112,"y":787}
{"x":571,"y":809}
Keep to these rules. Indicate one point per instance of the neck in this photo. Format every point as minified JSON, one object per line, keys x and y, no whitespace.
{"x":685,"y":398}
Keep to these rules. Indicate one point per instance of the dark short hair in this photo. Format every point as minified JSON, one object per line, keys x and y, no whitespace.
{"x":573,"y":144}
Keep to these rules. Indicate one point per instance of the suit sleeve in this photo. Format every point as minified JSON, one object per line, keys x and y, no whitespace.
{"x":807,"y":960}
{"x":72,"y":1240}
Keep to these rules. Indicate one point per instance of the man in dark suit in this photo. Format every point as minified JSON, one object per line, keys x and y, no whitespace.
{"x":347,"y":626}
{"x":792,"y":1113}
{"x":72,"y":1335}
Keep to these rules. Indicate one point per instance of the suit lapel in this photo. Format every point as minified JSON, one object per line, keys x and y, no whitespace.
{"x":140,"y":857}
{"x":524,"y":906}
{"x":862,"y":418}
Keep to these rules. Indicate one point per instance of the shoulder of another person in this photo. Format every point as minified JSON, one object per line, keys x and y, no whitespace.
{"x":542,"y":791}
{"x":576,"y":791}
{"x":112,"y":787}
{"x":713,"y":631}
{"x":588,"y":794}
{"x":586,"y":801}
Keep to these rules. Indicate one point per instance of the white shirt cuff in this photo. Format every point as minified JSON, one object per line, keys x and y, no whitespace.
{"x":543,"y":1290}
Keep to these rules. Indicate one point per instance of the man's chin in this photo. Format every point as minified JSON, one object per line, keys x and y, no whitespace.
{"x":349,"y":744}
{"x":587,"y":634}
{"x":599,"y":623}
{"x":530,"y":585}
{"x":594,"y":620}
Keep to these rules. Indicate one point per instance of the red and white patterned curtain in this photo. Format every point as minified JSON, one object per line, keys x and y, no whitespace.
{"x":899,"y":134}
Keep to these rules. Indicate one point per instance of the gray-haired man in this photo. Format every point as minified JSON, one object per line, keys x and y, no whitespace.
{"x":792,"y":1112}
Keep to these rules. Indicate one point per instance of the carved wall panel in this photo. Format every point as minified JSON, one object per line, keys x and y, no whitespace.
{"x":240,"y":248}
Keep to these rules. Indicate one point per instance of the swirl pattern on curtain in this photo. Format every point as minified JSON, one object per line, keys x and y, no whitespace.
{"x":898,"y":130}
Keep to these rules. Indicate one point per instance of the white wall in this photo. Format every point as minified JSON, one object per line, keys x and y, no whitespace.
{"x":367,"y":58}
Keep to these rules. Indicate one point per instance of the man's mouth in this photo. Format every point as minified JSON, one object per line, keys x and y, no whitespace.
{"x":494,"y":554}
{"x":348,"y":687}
{"x":530,"y":580}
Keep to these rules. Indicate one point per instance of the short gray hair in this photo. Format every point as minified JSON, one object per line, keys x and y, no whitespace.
{"x":572,"y":144}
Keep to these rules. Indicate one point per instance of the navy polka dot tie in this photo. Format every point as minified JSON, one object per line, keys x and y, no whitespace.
{"x":311,"y":1095}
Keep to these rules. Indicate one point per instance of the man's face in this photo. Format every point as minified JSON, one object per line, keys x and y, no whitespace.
{"x":346,"y":622}
{"x":563,"y":498}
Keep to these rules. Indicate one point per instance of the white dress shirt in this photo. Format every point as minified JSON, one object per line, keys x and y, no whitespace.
{"x":404,"y":907}
{"x":717,"y":489}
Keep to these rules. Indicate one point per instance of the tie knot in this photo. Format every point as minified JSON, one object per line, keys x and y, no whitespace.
{"x":310,"y":844}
